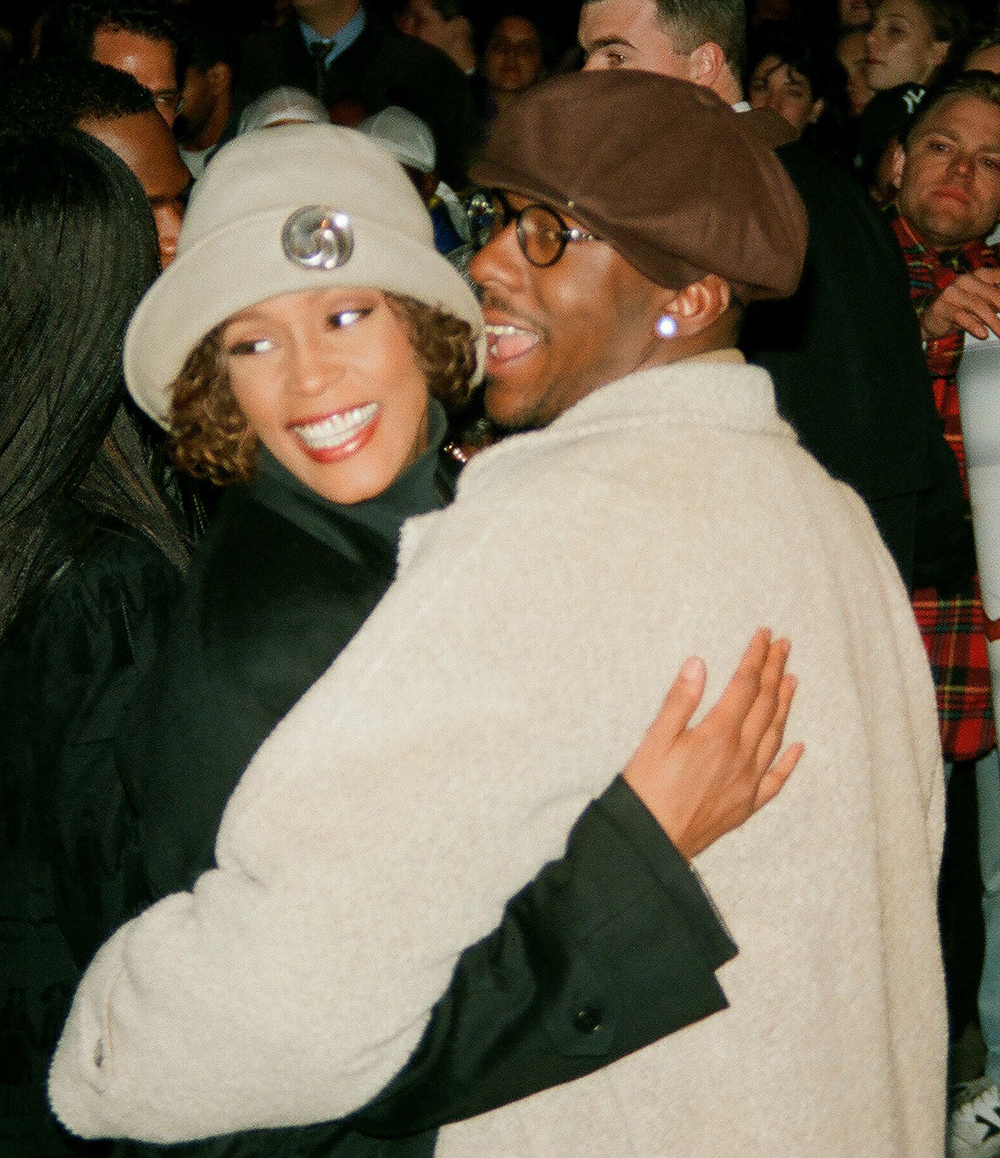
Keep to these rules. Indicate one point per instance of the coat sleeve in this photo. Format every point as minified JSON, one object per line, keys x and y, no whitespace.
{"x":609,"y":949}
{"x":379,"y":831}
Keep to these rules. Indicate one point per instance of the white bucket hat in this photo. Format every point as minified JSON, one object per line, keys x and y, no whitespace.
{"x":298,"y":207}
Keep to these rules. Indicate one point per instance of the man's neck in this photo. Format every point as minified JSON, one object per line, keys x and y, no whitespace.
{"x":327,"y":17}
{"x":728,"y":87}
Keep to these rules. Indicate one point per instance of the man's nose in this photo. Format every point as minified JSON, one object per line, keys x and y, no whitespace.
{"x":499,"y":261}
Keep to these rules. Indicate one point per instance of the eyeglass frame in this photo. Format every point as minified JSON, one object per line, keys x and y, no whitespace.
{"x":567,"y":233}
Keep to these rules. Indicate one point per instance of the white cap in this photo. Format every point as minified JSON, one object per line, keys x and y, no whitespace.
{"x":281,"y":106}
{"x":405,"y":135}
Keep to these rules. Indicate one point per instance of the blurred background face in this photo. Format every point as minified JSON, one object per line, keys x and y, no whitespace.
{"x":421,"y":19}
{"x":854,"y":13}
{"x":776,"y":85}
{"x":512,"y":60}
{"x":329,"y":382}
{"x":901,"y":46}
{"x":851,"y":51}
{"x":147,"y":146}
{"x":985,"y":59}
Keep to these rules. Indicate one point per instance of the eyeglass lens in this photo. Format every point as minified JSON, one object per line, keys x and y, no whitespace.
{"x":540,"y":232}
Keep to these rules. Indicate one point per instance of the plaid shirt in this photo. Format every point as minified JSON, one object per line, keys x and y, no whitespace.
{"x":953,"y":628}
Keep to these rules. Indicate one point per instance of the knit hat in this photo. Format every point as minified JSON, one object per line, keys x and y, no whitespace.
{"x":301,"y":207}
{"x":661,"y":169}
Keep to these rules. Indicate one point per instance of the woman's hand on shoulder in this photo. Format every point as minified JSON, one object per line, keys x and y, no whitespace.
{"x":700,"y":783}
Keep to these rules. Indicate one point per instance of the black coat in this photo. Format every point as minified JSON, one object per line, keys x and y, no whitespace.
{"x":846,"y":357}
{"x":68,"y":665}
{"x":606,"y":951}
{"x":381,"y":68}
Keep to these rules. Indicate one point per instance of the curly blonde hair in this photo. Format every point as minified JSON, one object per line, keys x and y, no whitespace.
{"x":210,"y":436}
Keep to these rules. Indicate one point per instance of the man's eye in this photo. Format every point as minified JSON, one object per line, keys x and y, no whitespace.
{"x":249,"y":346}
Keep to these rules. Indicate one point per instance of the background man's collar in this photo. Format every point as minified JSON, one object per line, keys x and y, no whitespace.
{"x":342,"y":40}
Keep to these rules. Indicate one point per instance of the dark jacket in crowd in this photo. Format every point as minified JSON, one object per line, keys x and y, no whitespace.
{"x":68,"y":665}
{"x":605,"y":952}
{"x":381,"y":68}
{"x":845,"y":353}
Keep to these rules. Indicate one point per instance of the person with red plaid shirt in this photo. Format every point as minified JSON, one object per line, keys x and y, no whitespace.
{"x":948,"y":175}
{"x":948,"y":202}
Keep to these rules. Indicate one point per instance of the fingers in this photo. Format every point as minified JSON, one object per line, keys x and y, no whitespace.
{"x":970,"y":303}
{"x":761,"y":715}
{"x":744,"y":686}
{"x":679,"y":705}
{"x":774,"y":779}
{"x":768,"y":743}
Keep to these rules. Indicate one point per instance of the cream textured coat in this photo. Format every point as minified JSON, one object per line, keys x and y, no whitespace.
{"x":506,"y":676}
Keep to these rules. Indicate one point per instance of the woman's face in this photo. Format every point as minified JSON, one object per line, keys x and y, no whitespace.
{"x":328,"y":380}
{"x":901,"y":46}
{"x":512,"y":60}
{"x":776,"y":85}
{"x":851,"y":51}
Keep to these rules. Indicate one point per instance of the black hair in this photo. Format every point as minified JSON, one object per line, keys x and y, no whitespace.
{"x":56,"y":94}
{"x":949,"y":19}
{"x":71,"y":26}
{"x":210,"y":40}
{"x":793,"y":47}
{"x":984,"y":85}
{"x":72,"y":215}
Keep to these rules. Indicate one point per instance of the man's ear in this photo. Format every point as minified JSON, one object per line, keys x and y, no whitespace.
{"x":898,"y":161}
{"x":816,"y":111}
{"x":705,"y":64}
{"x":698,"y":305}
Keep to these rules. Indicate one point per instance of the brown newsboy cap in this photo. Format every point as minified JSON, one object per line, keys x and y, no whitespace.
{"x":662,"y":170}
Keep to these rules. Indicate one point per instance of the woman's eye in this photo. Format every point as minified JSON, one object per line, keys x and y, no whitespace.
{"x":248,"y":346}
{"x":345,"y":318}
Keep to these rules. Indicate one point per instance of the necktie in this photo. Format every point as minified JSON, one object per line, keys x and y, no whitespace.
{"x":318,"y":50}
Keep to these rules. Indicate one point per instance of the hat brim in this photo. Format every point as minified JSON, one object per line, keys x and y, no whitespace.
{"x":206,"y":285}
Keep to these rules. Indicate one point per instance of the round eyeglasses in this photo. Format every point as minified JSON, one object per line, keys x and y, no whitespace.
{"x":541,"y":232}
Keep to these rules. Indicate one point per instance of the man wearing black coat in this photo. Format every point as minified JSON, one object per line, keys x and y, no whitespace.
{"x":355,"y":61}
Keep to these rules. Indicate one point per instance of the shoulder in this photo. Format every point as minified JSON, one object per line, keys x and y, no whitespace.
{"x":108,"y":574}
{"x":98,"y":622}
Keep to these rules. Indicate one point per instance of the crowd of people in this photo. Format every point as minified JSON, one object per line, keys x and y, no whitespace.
{"x":399,"y":400}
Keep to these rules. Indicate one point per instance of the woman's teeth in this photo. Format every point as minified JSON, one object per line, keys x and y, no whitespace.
{"x":337,"y":429}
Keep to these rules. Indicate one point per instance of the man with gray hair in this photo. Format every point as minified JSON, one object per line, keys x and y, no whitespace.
{"x":656,"y":494}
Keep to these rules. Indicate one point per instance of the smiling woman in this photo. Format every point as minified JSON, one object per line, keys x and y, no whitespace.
{"x":334,"y":383}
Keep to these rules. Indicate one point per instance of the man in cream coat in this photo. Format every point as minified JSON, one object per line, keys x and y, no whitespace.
{"x":656,"y":498}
